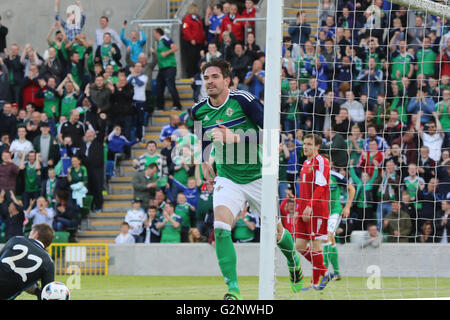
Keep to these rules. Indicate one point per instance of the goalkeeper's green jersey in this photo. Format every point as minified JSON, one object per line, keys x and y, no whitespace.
{"x":243,"y":113}
{"x":337,"y":181}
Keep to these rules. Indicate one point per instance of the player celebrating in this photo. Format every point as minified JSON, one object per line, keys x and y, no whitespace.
{"x":312,"y":210}
{"x":330,"y":253}
{"x":24,"y":261}
{"x":238,"y":161}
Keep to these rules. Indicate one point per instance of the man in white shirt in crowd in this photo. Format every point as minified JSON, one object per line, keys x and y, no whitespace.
{"x":433,"y":137}
{"x":135,"y":217}
{"x":355,"y":108}
{"x":139,"y":82}
{"x":104,"y":21}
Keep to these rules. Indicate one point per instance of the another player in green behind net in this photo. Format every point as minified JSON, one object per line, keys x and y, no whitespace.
{"x":232,"y":119}
{"x":330,"y":253}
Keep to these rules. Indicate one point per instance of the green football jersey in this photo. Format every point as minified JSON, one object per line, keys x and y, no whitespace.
{"x":242,"y":113}
{"x":171,"y":234}
{"x":183,"y":211}
{"x":337,"y":181}
{"x":402,"y":64}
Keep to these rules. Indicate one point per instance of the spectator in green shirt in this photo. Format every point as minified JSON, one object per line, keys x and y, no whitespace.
{"x":32,"y":177}
{"x":426,"y":58}
{"x":244,"y":226}
{"x":185,"y":211}
{"x":77,"y":172}
{"x":167,"y":65}
{"x":170,"y":226}
{"x":443,"y":112}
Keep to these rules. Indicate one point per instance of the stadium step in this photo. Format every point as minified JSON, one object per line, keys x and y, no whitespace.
{"x":103,"y":227}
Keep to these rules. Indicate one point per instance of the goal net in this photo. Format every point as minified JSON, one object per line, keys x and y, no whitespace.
{"x":372,"y":78}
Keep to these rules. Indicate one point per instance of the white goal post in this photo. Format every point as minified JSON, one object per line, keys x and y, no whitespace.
{"x":271,"y":133}
{"x":272,"y":101}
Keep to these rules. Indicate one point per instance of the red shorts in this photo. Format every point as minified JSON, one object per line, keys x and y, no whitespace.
{"x":314,"y":229}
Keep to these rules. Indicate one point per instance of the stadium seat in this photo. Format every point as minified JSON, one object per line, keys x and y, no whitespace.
{"x":87,"y":205}
{"x":61,"y":237}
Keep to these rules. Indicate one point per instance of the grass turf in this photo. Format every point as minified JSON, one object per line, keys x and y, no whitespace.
{"x":213,"y":288}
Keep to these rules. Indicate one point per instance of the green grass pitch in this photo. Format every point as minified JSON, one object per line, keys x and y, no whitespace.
{"x":213,"y":288}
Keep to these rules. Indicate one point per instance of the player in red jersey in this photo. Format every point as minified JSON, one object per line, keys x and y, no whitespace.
{"x":313,"y":210}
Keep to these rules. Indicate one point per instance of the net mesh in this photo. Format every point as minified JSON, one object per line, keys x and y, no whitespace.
{"x":372,"y":78}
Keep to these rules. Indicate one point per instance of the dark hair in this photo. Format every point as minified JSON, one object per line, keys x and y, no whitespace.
{"x":160,"y":31}
{"x":219,"y":6}
{"x":317,"y":139}
{"x":104,"y":17}
{"x":223,"y":65}
{"x":151,"y":142}
{"x":170,"y":204}
{"x":153,"y":208}
{"x":45,"y":233}
{"x":152,"y":166}
{"x":63,"y":194}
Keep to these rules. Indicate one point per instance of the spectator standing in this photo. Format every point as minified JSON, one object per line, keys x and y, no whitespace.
{"x":30,"y":86}
{"x":355,"y":108}
{"x":124,"y":236}
{"x":397,"y":224}
{"x":12,"y":214}
{"x":100,"y":32}
{"x":240,"y":64}
{"x":93,"y":157}
{"x":8,"y":122}
{"x":135,"y":218}
{"x":144,"y":183}
{"x":433,"y":137}
{"x":365,"y":203}
{"x":47,"y":146}
{"x":68,"y":90}
{"x":8,"y":172}
{"x":442,"y":224}
{"x":168,"y":129}
{"x":20,"y":146}
{"x":151,"y":233}
{"x":122,"y":110}
{"x":139,"y":82}
{"x":5,"y":90}
{"x":249,"y":11}
{"x":32,"y":177}
{"x":170,"y":226}
{"x":244,"y":226}
{"x":255,"y":78}
{"x":100,"y":93}
{"x":194,"y":37}
{"x":167,"y":65}
{"x":108,"y":53}
{"x":214,"y":23}
{"x":3,"y":34}
{"x":71,"y":27}
{"x":185,"y":211}
{"x":136,"y":42}
{"x":16,"y":71}
{"x":50,"y":95}
{"x":229,"y":24}
{"x":72,"y":128}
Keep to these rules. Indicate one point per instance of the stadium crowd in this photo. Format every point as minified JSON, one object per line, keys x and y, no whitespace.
{"x":373,"y":80}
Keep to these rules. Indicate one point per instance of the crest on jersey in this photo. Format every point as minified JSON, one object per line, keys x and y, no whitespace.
{"x":229,"y":112}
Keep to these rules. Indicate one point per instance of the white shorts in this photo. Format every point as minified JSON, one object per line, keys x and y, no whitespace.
{"x":333,"y":223}
{"x":234,"y":196}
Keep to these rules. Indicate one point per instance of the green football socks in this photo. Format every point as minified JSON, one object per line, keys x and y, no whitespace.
{"x":287,"y":247}
{"x":226,"y":256}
